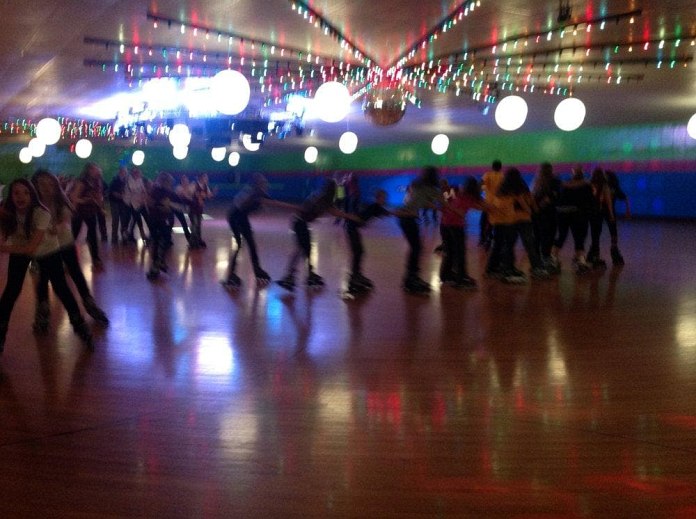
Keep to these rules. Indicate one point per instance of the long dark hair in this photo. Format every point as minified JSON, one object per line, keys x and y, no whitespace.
{"x":60,"y":199}
{"x":430,"y":176}
{"x":598,"y":179}
{"x":543,"y":181}
{"x":8,"y":223}
{"x":513,"y":183}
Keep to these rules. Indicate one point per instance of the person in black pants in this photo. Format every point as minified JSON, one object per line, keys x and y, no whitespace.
{"x":120,"y":212}
{"x":25,"y":225}
{"x":162,"y":200}
{"x":574,"y":205}
{"x":424,"y":192}
{"x":56,"y":202}
{"x":312,"y":208}
{"x":87,"y":197}
{"x":247,"y":201}
{"x":357,"y":282}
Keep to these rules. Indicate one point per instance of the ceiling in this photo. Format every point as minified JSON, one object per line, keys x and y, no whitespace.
{"x":51,"y":56}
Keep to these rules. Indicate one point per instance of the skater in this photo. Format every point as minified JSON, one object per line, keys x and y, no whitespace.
{"x":601,"y":210}
{"x":312,"y":208}
{"x":162,"y":200}
{"x":200,"y":192}
{"x":574,"y":203}
{"x":135,"y":197}
{"x":251,"y":198}
{"x":545,"y":191}
{"x":453,"y":269}
{"x":120,"y":213}
{"x":25,"y":226}
{"x":357,"y":282}
{"x":516,"y":202}
{"x":87,"y":197}
{"x":53,"y":198}
{"x":616,"y":194}
{"x":422,"y":193}
{"x":500,"y":230}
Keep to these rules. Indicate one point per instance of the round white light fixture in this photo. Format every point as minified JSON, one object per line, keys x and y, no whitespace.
{"x":248,"y":144}
{"x":332,"y":101}
{"x":229,"y":92}
{"x":218,"y":154}
{"x":569,"y":114}
{"x":233,"y":159}
{"x":691,"y":127}
{"x":179,"y":136}
{"x":25,"y":156}
{"x":48,"y":131}
{"x":440,"y":144}
{"x":180,"y":152}
{"x":83,"y":148}
{"x":348,"y":143}
{"x":311,"y":154}
{"x":138,"y":157}
{"x":36,"y":147}
{"x":511,"y":113}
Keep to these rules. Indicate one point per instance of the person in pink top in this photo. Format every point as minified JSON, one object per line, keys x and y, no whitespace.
{"x":453,"y":269}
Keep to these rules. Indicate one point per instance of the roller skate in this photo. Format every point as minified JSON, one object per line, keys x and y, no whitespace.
{"x":41,"y":318}
{"x":581,"y":266}
{"x":82,"y":331}
{"x":552,"y":265}
{"x":152,"y":275}
{"x":539,"y":273}
{"x":262,"y":277}
{"x":466,"y":283}
{"x":415,"y":285}
{"x":233,"y":282}
{"x":95,"y":312}
{"x":357,"y":285}
{"x":595,"y":261}
{"x":315,"y":281}
{"x":361,"y":281}
{"x":515,"y":277}
{"x":616,"y":257}
{"x":288,"y":282}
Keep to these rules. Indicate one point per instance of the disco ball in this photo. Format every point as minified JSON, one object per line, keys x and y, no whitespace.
{"x":385,"y":106}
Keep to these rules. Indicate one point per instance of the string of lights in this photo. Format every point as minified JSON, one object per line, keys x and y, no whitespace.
{"x":70,"y":128}
{"x":315,"y":18}
{"x":242,"y":40}
{"x":447,"y":23}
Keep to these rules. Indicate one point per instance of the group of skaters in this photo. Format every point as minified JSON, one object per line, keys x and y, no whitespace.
{"x":543,"y":216}
{"x":41,"y":217}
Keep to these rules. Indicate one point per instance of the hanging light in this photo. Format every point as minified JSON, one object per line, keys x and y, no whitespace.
{"x":440,"y":144}
{"x":230,"y":92}
{"x":249,"y":144}
{"x":36,"y":147}
{"x":25,"y":156}
{"x":569,"y":114}
{"x":511,"y":113}
{"x":332,"y":101}
{"x":311,"y":154}
{"x":348,"y":143}
{"x":691,"y":127}
{"x":83,"y":148}
{"x":218,"y":154}
{"x":138,"y":157}
{"x":233,"y":159}
{"x":48,"y":131}
{"x":180,"y":152}
{"x":180,"y":136}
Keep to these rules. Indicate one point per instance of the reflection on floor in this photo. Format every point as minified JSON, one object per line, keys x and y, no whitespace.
{"x":561,"y":398}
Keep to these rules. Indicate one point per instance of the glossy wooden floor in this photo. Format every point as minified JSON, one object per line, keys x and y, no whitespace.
{"x":574,"y":397}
